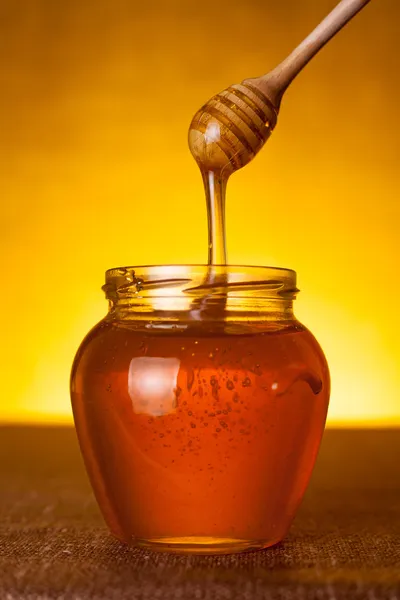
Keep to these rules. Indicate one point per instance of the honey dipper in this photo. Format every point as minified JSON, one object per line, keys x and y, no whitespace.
{"x":232,"y":127}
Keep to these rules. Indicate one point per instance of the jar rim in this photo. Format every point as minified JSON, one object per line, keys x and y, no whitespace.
{"x":198,"y":279}
{"x":230,"y":267}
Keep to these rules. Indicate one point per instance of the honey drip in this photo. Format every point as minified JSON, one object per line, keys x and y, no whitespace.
{"x":224,"y":136}
{"x":214,"y":187}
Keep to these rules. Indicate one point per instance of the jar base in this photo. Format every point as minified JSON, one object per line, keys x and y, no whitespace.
{"x":203,"y":545}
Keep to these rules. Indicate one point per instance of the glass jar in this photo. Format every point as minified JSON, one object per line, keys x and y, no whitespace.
{"x":199,"y":403}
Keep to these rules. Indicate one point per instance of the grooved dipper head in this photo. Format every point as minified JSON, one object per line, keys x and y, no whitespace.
{"x":231,"y":128}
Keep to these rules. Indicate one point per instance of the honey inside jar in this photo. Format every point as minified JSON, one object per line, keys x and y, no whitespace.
{"x":200,"y":411}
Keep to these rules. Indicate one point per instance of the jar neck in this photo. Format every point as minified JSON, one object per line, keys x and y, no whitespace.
{"x":201,"y":292}
{"x":201,"y":309}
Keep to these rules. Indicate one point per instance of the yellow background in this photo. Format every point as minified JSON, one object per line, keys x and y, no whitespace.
{"x":96,"y":99}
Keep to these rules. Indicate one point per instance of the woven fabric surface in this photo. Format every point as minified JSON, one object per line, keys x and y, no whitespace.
{"x":344,"y":543}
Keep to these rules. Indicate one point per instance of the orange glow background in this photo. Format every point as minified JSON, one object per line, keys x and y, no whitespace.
{"x":96,"y":101}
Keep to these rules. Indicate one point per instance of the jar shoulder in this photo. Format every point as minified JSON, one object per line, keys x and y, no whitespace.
{"x":112,"y":343}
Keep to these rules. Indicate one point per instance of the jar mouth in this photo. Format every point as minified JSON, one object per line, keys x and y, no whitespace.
{"x":198,"y":281}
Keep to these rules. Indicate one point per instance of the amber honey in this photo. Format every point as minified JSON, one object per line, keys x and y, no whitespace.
{"x":200,"y":435}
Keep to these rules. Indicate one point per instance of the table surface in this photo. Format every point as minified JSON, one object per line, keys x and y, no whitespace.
{"x":344,"y":543}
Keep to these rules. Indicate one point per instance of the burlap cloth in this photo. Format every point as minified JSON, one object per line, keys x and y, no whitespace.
{"x":345,"y":542}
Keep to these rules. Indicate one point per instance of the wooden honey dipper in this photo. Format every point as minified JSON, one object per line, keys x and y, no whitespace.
{"x":232,"y":127}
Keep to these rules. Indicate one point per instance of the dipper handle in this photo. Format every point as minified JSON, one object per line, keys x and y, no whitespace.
{"x":274,"y":83}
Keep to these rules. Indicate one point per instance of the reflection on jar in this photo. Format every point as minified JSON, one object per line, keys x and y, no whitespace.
{"x":152,"y":383}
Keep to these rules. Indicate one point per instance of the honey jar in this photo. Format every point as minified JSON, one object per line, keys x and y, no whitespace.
{"x":199,"y":403}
